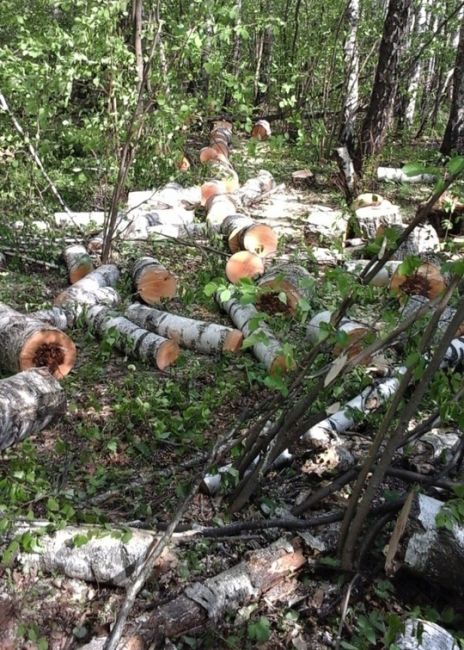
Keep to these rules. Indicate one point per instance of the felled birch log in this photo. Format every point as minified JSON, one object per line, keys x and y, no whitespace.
{"x":79,"y":219}
{"x":415,"y":303}
{"x":382,"y":278}
{"x":324,"y":225}
{"x":419,"y":634}
{"x":101,"y":555}
{"x":132,"y":339}
{"x":213,"y":153}
{"x":53,"y":316}
{"x":370,"y":218}
{"x":255,"y":187}
{"x":326,"y":433}
{"x":172,"y":195}
{"x":140,"y":223}
{"x":94,"y":288}
{"x":201,"y":336}
{"x":244,"y":233}
{"x":218,"y":207}
{"x":289,"y":279}
{"x":268,"y":349}
{"x":244,"y":265}
{"x":26,"y":342}
{"x":221,"y":131}
{"x":212,"y":188}
{"x":419,"y":545}
{"x":369,"y":400}
{"x":78,"y":262}
{"x":210,"y":600}
{"x":426,"y":280}
{"x":454,"y":355}
{"x":398,"y":176}
{"x":29,"y":402}
{"x":423,"y":240}
{"x":261,"y":130}
{"x":152,"y":281}
{"x":353,"y":333}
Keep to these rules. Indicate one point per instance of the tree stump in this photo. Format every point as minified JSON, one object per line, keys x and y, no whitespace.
{"x":370,"y":218}
{"x":261,"y":130}
{"x":303,"y":179}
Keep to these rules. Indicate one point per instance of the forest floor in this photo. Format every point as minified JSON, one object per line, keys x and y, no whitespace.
{"x":116,"y":458}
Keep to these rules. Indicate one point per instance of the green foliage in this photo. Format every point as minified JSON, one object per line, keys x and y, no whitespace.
{"x":259,"y":630}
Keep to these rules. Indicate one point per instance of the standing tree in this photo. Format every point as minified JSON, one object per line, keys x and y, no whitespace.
{"x":351,"y":52}
{"x":454,"y":133}
{"x":378,"y":114}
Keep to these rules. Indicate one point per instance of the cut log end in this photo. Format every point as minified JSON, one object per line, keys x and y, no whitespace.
{"x":210,"y":189}
{"x":261,"y":239}
{"x":244,"y":265}
{"x":155,"y":284}
{"x":355,"y":344}
{"x":261,"y":130}
{"x":80,"y":271}
{"x":427,"y":281}
{"x":51,"y":349}
{"x":280,"y":365}
{"x":167,"y":354}
{"x":233,"y":341}
{"x":183,"y":164}
{"x":270,"y":300}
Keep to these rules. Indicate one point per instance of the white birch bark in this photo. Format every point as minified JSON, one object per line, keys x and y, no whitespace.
{"x":380,"y":279}
{"x":420,"y":27}
{"x":423,"y":635}
{"x":132,"y":339}
{"x":269,"y":350}
{"x":351,"y":60}
{"x":29,"y":402}
{"x":398,"y":176}
{"x":208,"y":338}
{"x":101,"y":555}
{"x":255,"y":187}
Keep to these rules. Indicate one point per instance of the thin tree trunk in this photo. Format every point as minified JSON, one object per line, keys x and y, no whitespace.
{"x":236,"y":52}
{"x":138,"y":6}
{"x":378,"y":114}
{"x":454,"y":133}
{"x":351,"y":54}
{"x":413,"y":88}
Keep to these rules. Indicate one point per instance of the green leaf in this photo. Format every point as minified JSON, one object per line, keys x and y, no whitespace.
{"x":210,"y":289}
{"x":456,"y":165}
{"x":414,"y":169}
{"x":52,"y":504}
{"x":260,"y":630}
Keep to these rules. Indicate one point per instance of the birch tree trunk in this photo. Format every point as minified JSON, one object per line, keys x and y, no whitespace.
{"x":78,"y":262}
{"x":454,"y":133}
{"x":413,"y":87}
{"x":376,"y":122}
{"x":351,"y":56}
{"x":29,"y":402}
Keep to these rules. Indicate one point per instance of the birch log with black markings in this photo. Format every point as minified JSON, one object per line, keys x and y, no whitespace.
{"x":75,"y":300}
{"x":294,"y":281}
{"x":90,"y":553}
{"x":419,"y":634}
{"x":324,"y":433}
{"x":454,"y":355}
{"x":244,"y":265}
{"x":201,"y":336}
{"x":353,"y":332}
{"x":53,"y":316}
{"x":26,"y":342}
{"x":254,"y":187}
{"x":29,"y":401}
{"x":132,"y":339}
{"x":79,"y":219}
{"x":210,"y":600}
{"x":267,"y":349}
{"x":152,"y":281}
{"x":78,"y":262}
{"x":398,"y":176}
{"x":419,"y":545}
{"x":244,"y":233}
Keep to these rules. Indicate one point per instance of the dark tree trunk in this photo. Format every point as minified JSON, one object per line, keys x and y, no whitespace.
{"x":378,"y":114}
{"x":454,"y":133}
